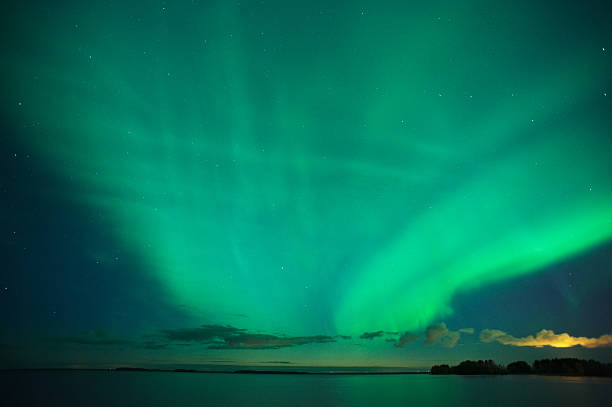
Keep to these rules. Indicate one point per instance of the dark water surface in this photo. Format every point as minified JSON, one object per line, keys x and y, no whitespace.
{"x":65,"y":388}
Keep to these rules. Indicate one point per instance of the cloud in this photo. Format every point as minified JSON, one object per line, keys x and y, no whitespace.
{"x":489,"y":335}
{"x":216,"y":336}
{"x":154,"y":345}
{"x":407,"y":337}
{"x":205,"y":333}
{"x":434,"y":333}
{"x":97,"y":337}
{"x":371,"y":335}
{"x":439,"y":333}
{"x":265,"y":341}
{"x":545,"y":337}
{"x":228,"y":337}
{"x":450,"y":339}
{"x":344,"y":336}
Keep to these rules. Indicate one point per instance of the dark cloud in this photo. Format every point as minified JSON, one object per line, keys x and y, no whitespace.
{"x":204,"y":334}
{"x":280,"y":362}
{"x":265,"y":341}
{"x":154,"y":345}
{"x":434,"y":333}
{"x":215,"y":336}
{"x":437,"y":333}
{"x":407,"y":337}
{"x":450,"y":339}
{"x":344,"y":336}
{"x":228,"y":337}
{"x":371,"y":335}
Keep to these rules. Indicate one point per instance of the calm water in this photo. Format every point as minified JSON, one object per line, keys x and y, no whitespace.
{"x":184,"y":389}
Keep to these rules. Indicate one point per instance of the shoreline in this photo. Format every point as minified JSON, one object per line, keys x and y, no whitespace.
{"x":238,"y":371}
{"x":275,"y":372}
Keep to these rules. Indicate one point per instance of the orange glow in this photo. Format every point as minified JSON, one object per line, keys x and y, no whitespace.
{"x":545,"y":337}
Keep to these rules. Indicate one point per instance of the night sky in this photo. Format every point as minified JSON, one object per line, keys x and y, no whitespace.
{"x":304,"y":183}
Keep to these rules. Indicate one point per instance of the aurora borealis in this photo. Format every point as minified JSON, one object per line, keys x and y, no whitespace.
{"x":257,"y":181}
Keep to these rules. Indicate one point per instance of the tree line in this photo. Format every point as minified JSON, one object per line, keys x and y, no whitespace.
{"x":563,"y":367}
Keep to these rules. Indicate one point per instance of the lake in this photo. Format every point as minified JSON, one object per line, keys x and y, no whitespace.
{"x":100,"y":388}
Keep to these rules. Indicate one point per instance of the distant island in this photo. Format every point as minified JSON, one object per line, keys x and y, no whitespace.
{"x":547,"y":367}
{"x":268,"y":372}
{"x":561,"y":367}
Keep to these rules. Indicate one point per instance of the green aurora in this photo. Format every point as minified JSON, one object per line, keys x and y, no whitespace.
{"x":324,"y":168}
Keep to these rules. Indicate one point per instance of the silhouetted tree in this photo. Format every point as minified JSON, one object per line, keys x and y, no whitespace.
{"x":440,"y":369}
{"x":477,"y":367}
{"x":572,"y":367}
{"x":519,"y":367}
{"x":564,"y":367}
